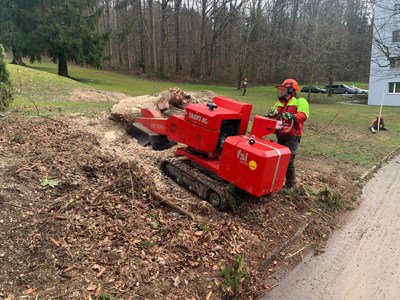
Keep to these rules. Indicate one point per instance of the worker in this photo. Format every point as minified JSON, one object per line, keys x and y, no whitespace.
{"x":374,"y":125}
{"x":292,"y":110}
{"x":243,"y":85}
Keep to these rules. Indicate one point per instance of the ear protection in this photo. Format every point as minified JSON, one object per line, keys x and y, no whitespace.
{"x":290,"y":89}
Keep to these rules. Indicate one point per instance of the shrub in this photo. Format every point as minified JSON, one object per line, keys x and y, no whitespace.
{"x":233,"y":276}
{"x":331,"y":201}
{"x":6,"y":92}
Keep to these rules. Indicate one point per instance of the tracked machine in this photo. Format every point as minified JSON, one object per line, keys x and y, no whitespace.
{"x":216,"y":149}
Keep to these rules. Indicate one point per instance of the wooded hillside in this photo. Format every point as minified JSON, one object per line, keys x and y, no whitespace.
{"x":223,"y":40}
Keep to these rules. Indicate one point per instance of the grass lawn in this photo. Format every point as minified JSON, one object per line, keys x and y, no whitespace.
{"x":334,"y":129}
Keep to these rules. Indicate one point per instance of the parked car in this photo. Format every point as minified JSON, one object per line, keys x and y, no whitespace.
{"x":357,"y":90}
{"x":314,"y":89}
{"x":340,"y":89}
{"x":353,"y":89}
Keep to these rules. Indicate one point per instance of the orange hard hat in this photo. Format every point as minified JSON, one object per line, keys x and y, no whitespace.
{"x":287,"y":83}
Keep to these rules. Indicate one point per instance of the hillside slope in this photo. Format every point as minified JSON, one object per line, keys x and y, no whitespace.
{"x":100,"y":231}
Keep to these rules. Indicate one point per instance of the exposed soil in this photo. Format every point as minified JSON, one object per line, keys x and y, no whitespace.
{"x":79,"y":220}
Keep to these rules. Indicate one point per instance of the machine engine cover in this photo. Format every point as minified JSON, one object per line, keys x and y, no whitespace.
{"x":258,"y":168}
{"x":200,"y":115}
{"x":188,"y":133}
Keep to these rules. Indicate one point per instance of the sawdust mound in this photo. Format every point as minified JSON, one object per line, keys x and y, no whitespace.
{"x":81,"y":215}
{"x":78,"y":216}
{"x":96,"y":96}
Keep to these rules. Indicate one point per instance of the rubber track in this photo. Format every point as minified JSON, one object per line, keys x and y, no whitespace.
{"x":196,"y":181}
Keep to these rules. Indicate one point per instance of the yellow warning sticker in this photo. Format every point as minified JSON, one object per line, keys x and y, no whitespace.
{"x":252,"y":165}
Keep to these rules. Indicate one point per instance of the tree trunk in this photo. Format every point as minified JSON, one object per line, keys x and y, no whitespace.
{"x":163,"y":35}
{"x":330,"y":82}
{"x":16,"y":57}
{"x":142,"y":60}
{"x":152,"y":38}
{"x":239,"y":77}
{"x":62,"y":65}
{"x":177,"y":36}
{"x":202,"y":36}
{"x":108,"y":26}
{"x":17,"y":60}
{"x":128,"y":52}
{"x":117,"y":27}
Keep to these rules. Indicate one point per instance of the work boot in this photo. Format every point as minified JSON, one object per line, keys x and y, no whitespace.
{"x":290,"y":181}
{"x":289,"y":190}
{"x":289,"y":186}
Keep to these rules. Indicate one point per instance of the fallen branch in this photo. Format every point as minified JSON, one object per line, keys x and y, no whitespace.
{"x":21,"y":207}
{"x":173,"y":205}
{"x":61,"y":217}
{"x":279,"y":249}
{"x":294,"y":254}
{"x":57,"y":244}
{"x":268,"y":289}
{"x":101,"y":272}
{"x":324,"y":219}
{"x":271,"y":287}
{"x":25,"y":169}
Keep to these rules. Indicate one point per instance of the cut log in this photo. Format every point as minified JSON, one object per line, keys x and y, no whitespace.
{"x":173,"y":205}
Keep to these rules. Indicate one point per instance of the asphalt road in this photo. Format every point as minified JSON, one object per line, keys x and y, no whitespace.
{"x":362,"y":259}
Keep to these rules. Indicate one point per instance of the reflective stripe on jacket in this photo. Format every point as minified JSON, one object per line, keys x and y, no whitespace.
{"x":297,"y":107}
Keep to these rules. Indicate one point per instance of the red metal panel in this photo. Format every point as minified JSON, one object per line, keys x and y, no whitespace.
{"x":263,"y":126}
{"x":150,"y":113}
{"x":211,"y":164}
{"x":158,"y":125}
{"x":258,"y":169}
{"x":197,"y":137}
{"x":201,"y":115}
{"x":242,"y":108}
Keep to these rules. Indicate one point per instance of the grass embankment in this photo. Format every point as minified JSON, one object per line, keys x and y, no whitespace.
{"x":334,"y":130}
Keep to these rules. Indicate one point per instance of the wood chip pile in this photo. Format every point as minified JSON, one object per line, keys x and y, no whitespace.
{"x":79,"y":219}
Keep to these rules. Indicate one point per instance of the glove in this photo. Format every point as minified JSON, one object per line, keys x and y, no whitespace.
{"x":272,"y":113}
{"x":289,"y":116}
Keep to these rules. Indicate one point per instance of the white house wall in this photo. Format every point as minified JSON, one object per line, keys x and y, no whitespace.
{"x":380,"y":76}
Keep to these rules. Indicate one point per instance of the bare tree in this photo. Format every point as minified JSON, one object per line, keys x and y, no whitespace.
{"x":314,"y":40}
{"x":385,"y":27}
{"x":164,"y":6}
{"x":142,"y":59}
{"x":267,"y":40}
{"x":177,"y":5}
{"x":152,"y":37}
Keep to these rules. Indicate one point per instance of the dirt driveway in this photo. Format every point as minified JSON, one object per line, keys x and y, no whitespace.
{"x":361,"y":260}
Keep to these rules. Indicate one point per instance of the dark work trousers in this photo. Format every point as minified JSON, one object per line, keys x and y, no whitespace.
{"x":292,"y":142}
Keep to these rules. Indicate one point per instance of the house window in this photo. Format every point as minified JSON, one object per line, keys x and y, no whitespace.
{"x":394,"y":62}
{"x":396,"y":36}
{"x":394,"y":87}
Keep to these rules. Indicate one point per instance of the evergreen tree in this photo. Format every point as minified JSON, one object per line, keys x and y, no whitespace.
{"x":67,"y":33}
{"x":5,"y":83}
{"x":63,"y":30}
{"x":18,"y":21}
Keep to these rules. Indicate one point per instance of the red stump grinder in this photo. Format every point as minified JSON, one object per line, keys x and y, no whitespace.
{"x":216,"y":149}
